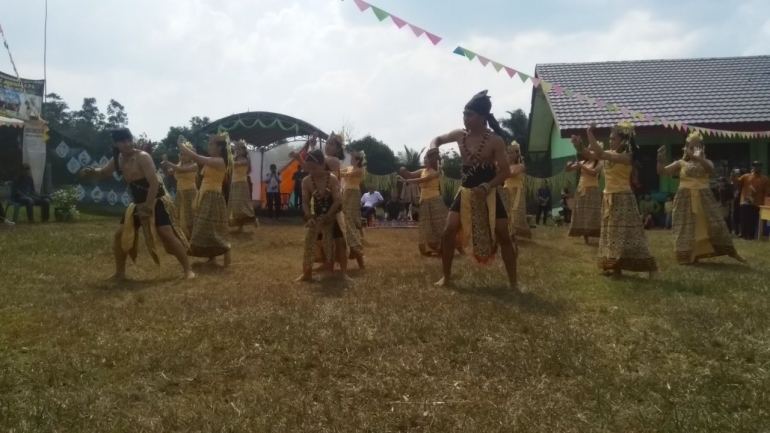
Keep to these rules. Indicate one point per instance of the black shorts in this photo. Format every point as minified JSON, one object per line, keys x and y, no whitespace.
{"x":500,"y":213}
{"x":336,"y":232}
{"x":162,"y":218}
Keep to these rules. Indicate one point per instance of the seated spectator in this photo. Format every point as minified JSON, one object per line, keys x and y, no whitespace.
{"x":649,"y":209}
{"x":394,"y":207}
{"x":369,"y":203}
{"x":3,"y":220}
{"x":23,"y":192}
{"x":668,"y":208}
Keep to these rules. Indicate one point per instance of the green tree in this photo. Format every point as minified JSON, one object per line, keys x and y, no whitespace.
{"x":380,"y":158}
{"x":451,"y":164}
{"x":410,"y":159}
{"x":116,"y":115}
{"x":516,"y":127}
{"x":193,"y":133}
{"x":56,"y":112}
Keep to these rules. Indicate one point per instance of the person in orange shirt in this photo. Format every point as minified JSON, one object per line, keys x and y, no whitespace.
{"x":754,"y":188}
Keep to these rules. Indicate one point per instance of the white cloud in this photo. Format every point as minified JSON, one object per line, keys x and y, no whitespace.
{"x":323,"y":62}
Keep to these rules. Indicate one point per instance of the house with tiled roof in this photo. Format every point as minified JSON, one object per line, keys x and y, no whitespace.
{"x":731,"y":94}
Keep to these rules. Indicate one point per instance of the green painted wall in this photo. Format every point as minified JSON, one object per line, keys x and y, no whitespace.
{"x":560,"y":147}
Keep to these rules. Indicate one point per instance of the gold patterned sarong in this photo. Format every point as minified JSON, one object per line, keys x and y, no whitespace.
{"x":149,"y":230}
{"x":477,"y":222}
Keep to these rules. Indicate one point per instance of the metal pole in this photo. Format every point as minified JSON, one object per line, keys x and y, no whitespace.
{"x":45,"y":53}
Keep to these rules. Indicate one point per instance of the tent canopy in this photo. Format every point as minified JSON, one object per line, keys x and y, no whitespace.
{"x":263,"y":129}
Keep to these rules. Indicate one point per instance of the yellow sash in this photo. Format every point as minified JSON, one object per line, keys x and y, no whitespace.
{"x":465,"y":235}
{"x":511,"y":184}
{"x":702,"y":236}
{"x":212,"y":181}
{"x":128,"y":237}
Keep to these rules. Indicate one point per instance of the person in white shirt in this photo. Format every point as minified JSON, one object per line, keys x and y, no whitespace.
{"x":369,"y":203}
{"x":273,"y":181}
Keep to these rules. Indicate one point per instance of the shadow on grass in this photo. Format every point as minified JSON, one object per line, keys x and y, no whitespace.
{"x":131,"y":285}
{"x":529,"y":302}
{"x":733,"y":268}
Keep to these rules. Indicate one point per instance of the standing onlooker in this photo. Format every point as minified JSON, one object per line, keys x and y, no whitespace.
{"x":410,"y":195}
{"x":724,"y":196}
{"x":297,"y":178}
{"x":273,"y":180}
{"x":737,"y":204}
{"x":369,"y":203}
{"x":668,"y":208}
{"x":754,"y":187}
{"x":543,"y":203}
{"x":23,"y":192}
{"x":566,"y":195}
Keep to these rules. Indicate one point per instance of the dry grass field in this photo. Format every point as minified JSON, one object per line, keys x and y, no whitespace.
{"x":246,"y":349}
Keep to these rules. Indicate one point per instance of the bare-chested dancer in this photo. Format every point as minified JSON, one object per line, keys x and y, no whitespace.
{"x":148,"y":210}
{"x":477,"y":213}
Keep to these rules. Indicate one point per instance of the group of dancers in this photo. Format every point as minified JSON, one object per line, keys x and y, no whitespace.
{"x":487,"y":214}
{"x":196,"y":224}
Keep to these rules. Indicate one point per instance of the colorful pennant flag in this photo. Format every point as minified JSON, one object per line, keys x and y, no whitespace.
{"x":536,"y":82}
{"x":398,"y":21}
{"x":380,"y":14}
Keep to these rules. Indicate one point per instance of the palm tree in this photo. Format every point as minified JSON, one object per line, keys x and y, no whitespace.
{"x":410,"y":159}
{"x":517,"y":127}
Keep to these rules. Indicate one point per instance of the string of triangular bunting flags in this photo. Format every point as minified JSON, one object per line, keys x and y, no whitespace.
{"x":30,"y":107}
{"x":549,"y":87}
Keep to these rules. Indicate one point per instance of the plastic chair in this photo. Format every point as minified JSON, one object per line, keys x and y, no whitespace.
{"x":12,"y":202}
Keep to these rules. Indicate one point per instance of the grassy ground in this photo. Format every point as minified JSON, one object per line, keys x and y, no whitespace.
{"x":247,"y":350}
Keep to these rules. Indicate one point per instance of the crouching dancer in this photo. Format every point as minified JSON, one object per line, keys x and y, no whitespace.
{"x":149,"y":209}
{"x":478,"y":214}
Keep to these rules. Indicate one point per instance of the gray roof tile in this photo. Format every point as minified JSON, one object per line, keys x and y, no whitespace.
{"x":692,"y":91}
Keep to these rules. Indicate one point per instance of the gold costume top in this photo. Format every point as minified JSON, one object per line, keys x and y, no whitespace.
{"x":514,"y":181}
{"x":587,"y":180}
{"x":352,"y":181}
{"x":240,"y":173}
{"x":617,"y":176}
{"x":212,"y":181}
{"x":692,"y":176}
{"x":430,"y":188}
{"x":185,"y":180}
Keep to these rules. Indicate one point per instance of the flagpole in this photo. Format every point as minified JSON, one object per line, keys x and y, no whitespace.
{"x":45,"y":53}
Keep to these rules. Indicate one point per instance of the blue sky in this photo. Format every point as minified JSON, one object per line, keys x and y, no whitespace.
{"x":329,"y":64}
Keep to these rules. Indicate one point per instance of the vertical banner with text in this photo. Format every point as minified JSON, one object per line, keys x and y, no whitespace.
{"x":33,"y":150}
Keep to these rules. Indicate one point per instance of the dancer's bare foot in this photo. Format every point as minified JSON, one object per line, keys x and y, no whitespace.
{"x":444,"y":282}
{"x":654,"y":275}
{"x":306,"y":276}
{"x":346,"y":278}
{"x":189,"y":275}
{"x":741,"y":259}
{"x":256,"y":223}
{"x":228,"y":259}
{"x":117,"y":277}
